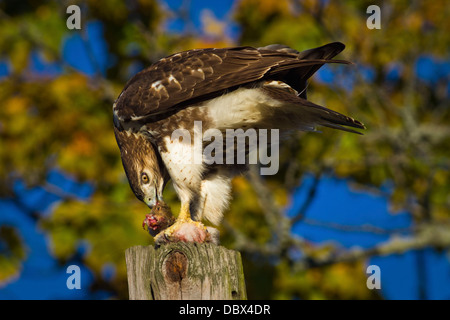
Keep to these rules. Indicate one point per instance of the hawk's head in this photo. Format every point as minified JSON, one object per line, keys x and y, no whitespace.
{"x":143,"y":167}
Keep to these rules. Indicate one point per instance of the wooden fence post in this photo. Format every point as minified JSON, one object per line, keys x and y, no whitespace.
{"x":190,"y":271}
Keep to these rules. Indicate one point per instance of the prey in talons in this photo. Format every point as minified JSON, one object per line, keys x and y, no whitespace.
{"x":162,"y":225}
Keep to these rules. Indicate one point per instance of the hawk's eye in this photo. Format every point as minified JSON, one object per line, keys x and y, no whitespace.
{"x":144,"y":178}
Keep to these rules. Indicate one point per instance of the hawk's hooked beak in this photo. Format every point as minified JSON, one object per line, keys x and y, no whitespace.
{"x":153,"y":201}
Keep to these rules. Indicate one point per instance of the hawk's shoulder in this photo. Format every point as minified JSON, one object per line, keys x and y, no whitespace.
{"x":181,"y":77}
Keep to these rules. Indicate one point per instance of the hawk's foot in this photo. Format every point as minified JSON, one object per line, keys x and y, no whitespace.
{"x":187,"y":230}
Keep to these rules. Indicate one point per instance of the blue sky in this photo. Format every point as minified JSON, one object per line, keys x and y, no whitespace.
{"x":400,"y":274}
{"x":220,"y":9}
{"x":41,"y":276}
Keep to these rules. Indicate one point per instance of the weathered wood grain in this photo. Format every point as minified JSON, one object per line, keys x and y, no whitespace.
{"x":185,"y":271}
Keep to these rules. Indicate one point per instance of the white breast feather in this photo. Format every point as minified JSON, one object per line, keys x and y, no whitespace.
{"x":183,"y":169}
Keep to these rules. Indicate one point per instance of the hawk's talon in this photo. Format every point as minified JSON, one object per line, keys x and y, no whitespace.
{"x":186,"y":231}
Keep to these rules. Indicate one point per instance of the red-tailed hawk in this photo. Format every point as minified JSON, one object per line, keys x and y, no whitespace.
{"x":231,"y":88}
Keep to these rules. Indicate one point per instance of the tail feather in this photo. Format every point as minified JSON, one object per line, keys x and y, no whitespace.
{"x":308,"y":114}
{"x":337,"y":126}
{"x":330,"y":118}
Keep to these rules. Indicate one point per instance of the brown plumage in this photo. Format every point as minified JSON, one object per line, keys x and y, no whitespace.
{"x":229,"y":88}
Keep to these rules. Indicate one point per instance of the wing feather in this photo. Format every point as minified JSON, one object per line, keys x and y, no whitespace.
{"x":190,"y":76}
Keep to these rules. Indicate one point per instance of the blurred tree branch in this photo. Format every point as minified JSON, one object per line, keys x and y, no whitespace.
{"x":427,"y":236}
{"x":57,"y":121}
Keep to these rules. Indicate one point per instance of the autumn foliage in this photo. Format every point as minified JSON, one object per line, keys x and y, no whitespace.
{"x":54,"y":116}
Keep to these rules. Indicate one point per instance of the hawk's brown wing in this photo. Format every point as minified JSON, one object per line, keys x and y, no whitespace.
{"x":297,"y":77}
{"x":204,"y":73}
